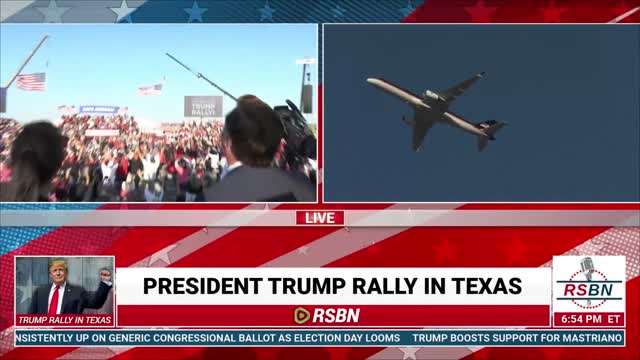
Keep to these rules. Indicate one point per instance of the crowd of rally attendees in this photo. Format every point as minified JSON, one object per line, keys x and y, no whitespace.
{"x":137,"y":164}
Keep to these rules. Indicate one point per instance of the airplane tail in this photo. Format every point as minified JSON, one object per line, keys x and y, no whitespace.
{"x":489,"y":127}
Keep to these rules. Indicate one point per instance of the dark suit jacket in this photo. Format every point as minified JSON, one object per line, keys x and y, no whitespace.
{"x":74,"y":301}
{"x":254,"y":184}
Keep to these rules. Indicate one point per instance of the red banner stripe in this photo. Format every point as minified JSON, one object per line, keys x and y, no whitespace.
{"x":249,"y":247}
{"x":380,"y":206}
{"x":512,"y":11}
{"x":368,"y":315}
{"x":552,"y":206}
{"x":43,"y":353}
{"x":464,"y":247}
{"x":140,"y":242}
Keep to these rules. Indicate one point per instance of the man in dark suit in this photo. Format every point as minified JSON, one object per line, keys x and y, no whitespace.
{"x":251,"y":137}
{"x":64,"y":298}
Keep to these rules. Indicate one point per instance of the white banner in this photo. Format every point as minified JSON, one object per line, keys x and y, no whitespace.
{"x":102,"y":132}
{"x":324,"y":286}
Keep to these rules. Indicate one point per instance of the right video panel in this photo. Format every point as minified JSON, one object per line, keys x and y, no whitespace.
{"x":481,"y":113}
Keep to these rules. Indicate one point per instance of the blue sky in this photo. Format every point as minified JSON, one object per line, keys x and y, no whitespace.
{"x":570,"y":93}
{"x":105,"y":65}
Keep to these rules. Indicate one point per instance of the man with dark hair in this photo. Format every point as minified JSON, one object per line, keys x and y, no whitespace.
{"x":251,"y":137}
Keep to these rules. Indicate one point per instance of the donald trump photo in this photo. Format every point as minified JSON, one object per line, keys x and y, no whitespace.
{"x":63,"y":297}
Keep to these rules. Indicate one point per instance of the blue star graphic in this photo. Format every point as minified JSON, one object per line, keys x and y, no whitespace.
{"x":338,"y":11}
{"x":195,"y":13}
{"x":407,"y":10}
{"x":266,"y":12}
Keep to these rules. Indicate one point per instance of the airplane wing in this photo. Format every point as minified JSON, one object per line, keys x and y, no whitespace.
{"x":421,"y":125}
{"x":458,"y":89}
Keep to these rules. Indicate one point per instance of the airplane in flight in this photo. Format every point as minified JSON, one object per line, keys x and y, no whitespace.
{"x":433,"y":107}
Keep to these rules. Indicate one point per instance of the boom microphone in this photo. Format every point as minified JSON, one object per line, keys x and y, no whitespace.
{"x":200,"y":76}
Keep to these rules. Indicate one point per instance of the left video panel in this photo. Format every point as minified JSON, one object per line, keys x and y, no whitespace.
{"x":158,"y":113}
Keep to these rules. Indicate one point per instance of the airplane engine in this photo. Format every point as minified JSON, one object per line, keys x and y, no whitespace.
{"x":431,"y":95}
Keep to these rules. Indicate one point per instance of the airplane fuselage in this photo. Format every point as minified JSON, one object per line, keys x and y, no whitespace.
{"x":463,"y":124}
{"x":419,"y":105}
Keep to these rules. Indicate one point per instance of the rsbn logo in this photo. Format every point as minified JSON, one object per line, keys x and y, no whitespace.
{"x":588,"y":287}
{"x":326,"y":316}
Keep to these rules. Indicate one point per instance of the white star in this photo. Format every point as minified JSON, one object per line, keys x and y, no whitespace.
{"x":303,"y":250}
{"x":266,"y":12}
{"x":123,"y":12}
{"x":163,"y":255}
{"x":407,"y":10}
{"x":24,"y":291}
{"x":52,"y":13}
{"x":7,"y":333}
{"x":338,"y":11}
{"x":409,"y":353}
{"x":119,"y":349}
{"x":195,"y":13}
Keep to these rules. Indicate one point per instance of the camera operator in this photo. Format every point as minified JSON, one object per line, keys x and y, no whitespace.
{"x":251,"y":138}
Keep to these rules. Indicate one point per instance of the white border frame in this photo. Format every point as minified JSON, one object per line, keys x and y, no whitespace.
{"x":317,"y":56}
{"x":611,"y":23}
{"x":113,"y":280}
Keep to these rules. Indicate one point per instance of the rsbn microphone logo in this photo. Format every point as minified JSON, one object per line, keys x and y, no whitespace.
{"x":588,"y":282}
{"x":589,"y":291}
{"x":588,"y":288}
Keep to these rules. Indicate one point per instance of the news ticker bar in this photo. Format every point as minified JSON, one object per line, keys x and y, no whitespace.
{"x":386,"y":338}
{"x":349,"y":218}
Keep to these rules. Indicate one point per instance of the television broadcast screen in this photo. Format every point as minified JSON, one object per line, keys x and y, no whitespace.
{"x":266,"y":179}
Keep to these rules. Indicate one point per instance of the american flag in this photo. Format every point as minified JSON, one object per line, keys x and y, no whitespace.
{"x":32,"y":82}
{"x":150,"y":90}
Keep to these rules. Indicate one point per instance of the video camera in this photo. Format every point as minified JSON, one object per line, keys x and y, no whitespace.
{"x":301,"y":143}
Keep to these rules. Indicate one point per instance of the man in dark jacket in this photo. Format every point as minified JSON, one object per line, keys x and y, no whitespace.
{"x":251,"y":137}
{"x":64,"y":298}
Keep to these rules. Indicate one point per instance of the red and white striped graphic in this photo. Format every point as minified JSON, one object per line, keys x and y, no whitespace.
{"x":357,"y":247}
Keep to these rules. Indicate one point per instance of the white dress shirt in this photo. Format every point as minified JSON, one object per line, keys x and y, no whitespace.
{"x":227,"y":168}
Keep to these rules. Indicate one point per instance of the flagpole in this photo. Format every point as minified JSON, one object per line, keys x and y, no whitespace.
{"x":26,"y":61}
